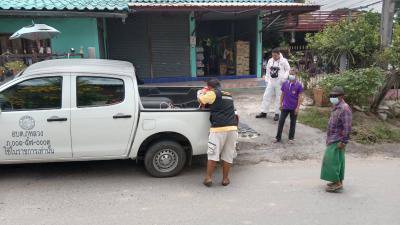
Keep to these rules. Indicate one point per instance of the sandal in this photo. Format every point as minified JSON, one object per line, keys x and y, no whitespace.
{"x":330,"y":184}
{"x":334,"y":188}
{"x":226,"y":183}
{"x":333,"y":183}
{"x":207,"y":183}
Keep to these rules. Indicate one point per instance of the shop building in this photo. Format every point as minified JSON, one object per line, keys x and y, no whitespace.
{"x":166,"y":40}
{"x":193,"y":40}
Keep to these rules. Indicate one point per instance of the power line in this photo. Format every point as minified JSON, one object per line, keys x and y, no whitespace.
{"x":335,"y":3}
{"x":366,"y":6}
{"x":357,"y":3}
{"x":333,"y":7}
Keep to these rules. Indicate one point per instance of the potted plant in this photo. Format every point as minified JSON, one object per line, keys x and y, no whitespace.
{"x":319,"y":96}
{"x":15,"y":66}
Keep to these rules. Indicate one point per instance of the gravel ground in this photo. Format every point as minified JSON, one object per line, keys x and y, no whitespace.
{"x":310,"y":142}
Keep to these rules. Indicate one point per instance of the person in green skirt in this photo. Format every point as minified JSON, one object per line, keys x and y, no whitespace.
{"x":338,"y":135}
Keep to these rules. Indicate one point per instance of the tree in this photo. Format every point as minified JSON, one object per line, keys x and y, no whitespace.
{"x":358,"y":39}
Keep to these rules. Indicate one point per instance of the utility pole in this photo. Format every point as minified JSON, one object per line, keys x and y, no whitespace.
{"x":388,"y":9}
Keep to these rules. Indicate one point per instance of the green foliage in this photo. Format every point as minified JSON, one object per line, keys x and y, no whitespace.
{"x":295,"y":57}
{"x":15,"y":65}
{"x":359,"y":39}
{"x":359,"y":85}
{"x":305,"y":79}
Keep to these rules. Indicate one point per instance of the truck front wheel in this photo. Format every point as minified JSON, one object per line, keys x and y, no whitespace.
{"x":165,"y":159}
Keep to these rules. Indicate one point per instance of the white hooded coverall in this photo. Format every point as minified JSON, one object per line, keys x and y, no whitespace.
{"x":274,"y":84}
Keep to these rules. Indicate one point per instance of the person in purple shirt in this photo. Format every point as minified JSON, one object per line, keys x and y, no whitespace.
{"x":338,"y":135}
{"x":291,"y":98}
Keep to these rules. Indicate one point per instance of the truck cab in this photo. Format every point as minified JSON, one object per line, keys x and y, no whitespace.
{"x":91,"y":109}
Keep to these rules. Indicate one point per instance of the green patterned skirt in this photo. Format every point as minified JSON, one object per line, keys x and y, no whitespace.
{"x":333,"y":164}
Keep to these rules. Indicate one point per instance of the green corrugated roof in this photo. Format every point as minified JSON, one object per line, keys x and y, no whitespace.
{"x":67,"y":5}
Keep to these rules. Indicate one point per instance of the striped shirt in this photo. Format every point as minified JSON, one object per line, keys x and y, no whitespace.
{"x":339,"y":126}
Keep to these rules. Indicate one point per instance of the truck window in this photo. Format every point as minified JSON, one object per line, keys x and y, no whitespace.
{"x":33,"y":94}
{"x":99,"y":91}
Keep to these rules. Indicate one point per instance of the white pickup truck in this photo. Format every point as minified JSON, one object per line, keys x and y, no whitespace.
{"x":90,"y":109}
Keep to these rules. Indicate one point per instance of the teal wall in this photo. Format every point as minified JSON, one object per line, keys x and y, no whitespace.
{"x":259,"y":45}
{"x":192,"y":30}
{"x":75,"y":32}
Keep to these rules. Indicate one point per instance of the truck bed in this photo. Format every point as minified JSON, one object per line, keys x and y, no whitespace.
{"x":165,"y":97}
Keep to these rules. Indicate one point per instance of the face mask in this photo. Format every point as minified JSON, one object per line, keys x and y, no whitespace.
{"x":334,"y":101}
{"x":292,"y":77}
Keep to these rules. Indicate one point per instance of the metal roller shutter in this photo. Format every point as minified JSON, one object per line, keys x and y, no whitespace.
{"x":170,"y":44}
{"x":168,"y":52}
{"x":129,"y":42}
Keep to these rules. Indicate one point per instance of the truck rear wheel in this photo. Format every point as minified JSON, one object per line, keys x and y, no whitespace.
{"x":165,"y":159}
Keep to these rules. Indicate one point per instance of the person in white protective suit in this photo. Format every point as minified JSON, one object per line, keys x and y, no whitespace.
{"x":277,"y":72}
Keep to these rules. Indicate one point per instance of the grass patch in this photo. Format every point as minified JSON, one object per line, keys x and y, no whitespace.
{"x":367,"y":129}
{"x":376,"y":132}
{"x":315,"y":117}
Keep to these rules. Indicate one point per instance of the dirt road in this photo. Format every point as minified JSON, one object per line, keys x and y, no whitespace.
{"x":118,"y":192}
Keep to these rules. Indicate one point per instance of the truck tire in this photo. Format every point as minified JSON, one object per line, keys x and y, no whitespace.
{"x":165,"y":159}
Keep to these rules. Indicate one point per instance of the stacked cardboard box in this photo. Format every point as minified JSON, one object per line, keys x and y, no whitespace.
{"x":242,"y":57}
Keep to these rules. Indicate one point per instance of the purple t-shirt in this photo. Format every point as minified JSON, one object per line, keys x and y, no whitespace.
{"x":291,"y":92}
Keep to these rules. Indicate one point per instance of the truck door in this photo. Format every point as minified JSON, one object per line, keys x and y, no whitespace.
{"x":35,"y":119}
{"x":102,"y":115}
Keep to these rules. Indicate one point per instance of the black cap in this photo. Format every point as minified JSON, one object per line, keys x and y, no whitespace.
{"x":337,"y":91}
